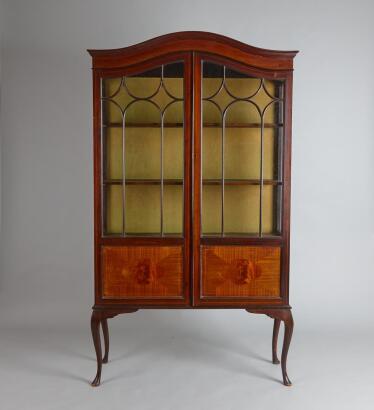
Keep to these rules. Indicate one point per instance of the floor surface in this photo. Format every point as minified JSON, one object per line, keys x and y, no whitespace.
{"x":167,"y":367}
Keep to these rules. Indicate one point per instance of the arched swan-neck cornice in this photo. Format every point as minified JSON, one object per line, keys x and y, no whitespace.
{"x":198,"y":41}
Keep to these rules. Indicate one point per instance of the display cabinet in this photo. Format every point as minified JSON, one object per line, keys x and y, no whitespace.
{"x":192,"y":153}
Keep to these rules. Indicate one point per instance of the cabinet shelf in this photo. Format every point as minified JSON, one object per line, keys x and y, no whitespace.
{"x":241,"y":125}
{"x":240,"y":182}
{"x":180,"y":125}
{"x":144,"y":125}
{"x":235,"y":235}
{"x":144,"y":235}
{"x":132,"y":181}
{"x":180,"y":182}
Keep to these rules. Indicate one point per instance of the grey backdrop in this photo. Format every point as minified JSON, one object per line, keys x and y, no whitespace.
{"x":183,"y":359}
{"x":46,"y":129}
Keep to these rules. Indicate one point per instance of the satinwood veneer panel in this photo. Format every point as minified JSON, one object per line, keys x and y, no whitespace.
{"x":142,"y":271}
{"x":240,"y":271}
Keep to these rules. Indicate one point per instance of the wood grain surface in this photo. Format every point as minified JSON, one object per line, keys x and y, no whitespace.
{"x":193,"y":41}
{"x":142,"y":271}
{"x":240,"y":271}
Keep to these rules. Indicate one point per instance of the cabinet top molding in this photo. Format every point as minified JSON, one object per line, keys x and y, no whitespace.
{"x":187,"y":41}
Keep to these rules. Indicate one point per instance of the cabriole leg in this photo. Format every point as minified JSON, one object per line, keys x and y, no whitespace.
{"x":95,"y":330}
{"x":288,"y":330}
{"x":275,"y":340}
{"x":285,"y":316}
{"x":101,"y":316}
{"x":104,"y":325}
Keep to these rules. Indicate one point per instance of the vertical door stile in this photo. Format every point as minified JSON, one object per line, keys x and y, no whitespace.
{"x":188,"y":177}
{"x":196,"y":176}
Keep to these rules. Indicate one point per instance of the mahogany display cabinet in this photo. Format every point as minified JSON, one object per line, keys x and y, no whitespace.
{"x":192,"y":155}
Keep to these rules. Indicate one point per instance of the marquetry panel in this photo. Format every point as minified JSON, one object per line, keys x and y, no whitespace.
{"x":142,"y":271}
{"x":240,"y":271}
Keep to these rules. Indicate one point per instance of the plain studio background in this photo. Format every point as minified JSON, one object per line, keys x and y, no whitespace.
{"x":168,"y":359}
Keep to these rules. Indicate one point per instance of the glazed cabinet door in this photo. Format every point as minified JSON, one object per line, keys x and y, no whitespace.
{"x":239,"y":183}
{"x":142,"y":167}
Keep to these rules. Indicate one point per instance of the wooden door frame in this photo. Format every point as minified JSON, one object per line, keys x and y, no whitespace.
{"x":99,"y":239}
{"x":281,"y":241}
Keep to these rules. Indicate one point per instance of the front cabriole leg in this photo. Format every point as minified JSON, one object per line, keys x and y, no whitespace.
{"x":100,"y":316}
{"x":285,"y":316}
{"x":288,"y":330}
{"x":95,"y":330}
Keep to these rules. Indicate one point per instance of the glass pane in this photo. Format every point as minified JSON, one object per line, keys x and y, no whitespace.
{"x":243,"y":115}
{"x":113,"y":153}
{"x":113,"y":221}
{"x":241,"y":209}
{"x":273,"y":138}
{"x":271,"y":210}
{"x":143,"y":85}
{"x":242,"y":144}
{"x":211,"y":212}
{"x":272,"y":160}
{"x":114,"y":99}
{"x":142,"y":209}
{"x":173,"y":153}
{"x":241,"y":85}
{"x":173,"y":79}
{"x":173,"y":157}
{"x":211,"y":142}
{"x":144,"y":113}
{"x":173,"y":209}
{"x":143,"y":144}
{"x":212,"y":79}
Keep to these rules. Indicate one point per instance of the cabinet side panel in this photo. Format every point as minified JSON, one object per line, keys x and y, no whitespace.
{"x":240,"y":271}
{"x":142,"y":271}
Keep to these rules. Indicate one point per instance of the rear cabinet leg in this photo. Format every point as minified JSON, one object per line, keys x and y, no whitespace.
{"x":104,"y":325}
{"x":275,"y":340}
{"x":285,"y":316}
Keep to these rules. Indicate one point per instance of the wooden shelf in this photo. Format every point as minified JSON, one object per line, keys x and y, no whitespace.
{"x":180,"y":125}
{"x":144,"y":125}
{"x":132,"y":181}
{"x":144,"y":235}
{"x":233,"y":235}
{"x":240,"y":182}
{"x":241,"y":125}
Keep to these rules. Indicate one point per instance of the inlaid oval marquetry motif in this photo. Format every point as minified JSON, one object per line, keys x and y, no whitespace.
{"x":142,"y":271}
{"x":240,"y":271}
{"x":245,"y":272}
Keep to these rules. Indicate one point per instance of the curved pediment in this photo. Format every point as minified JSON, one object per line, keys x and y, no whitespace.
{"x":199,"y":41}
